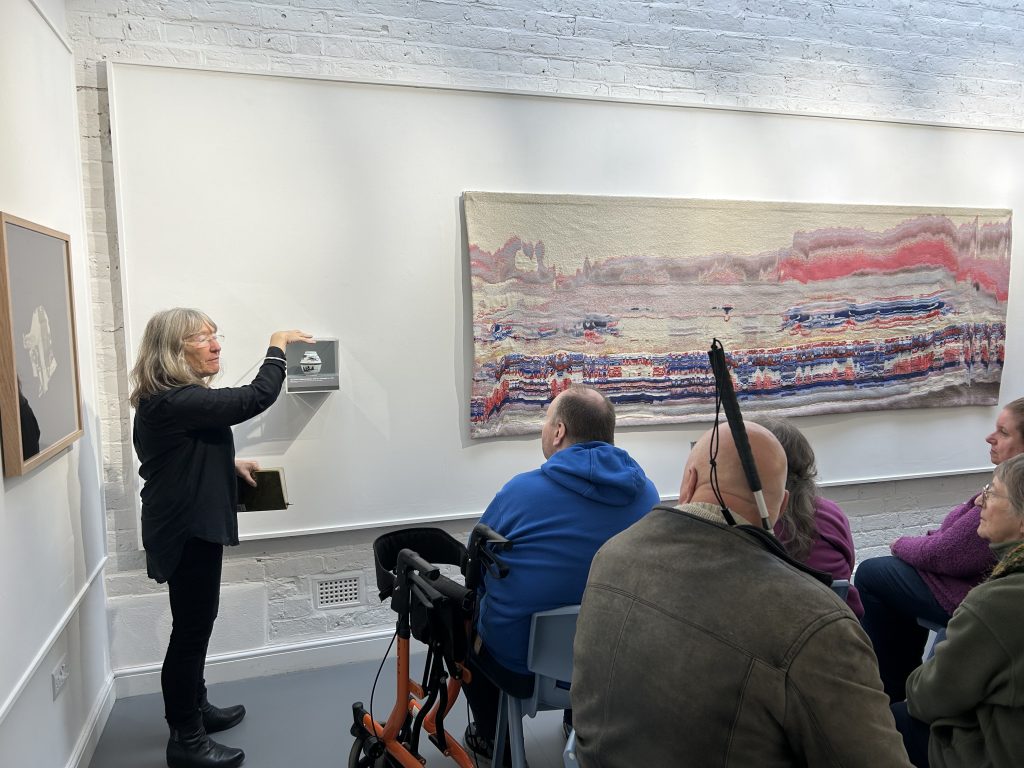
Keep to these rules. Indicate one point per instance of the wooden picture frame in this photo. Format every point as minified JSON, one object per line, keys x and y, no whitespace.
{"x":40,"y":402}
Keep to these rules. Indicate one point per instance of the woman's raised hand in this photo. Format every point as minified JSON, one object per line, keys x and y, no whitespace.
{"x":281,"y":339}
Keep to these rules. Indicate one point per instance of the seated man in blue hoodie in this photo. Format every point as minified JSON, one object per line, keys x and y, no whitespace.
{"x":557,"y":517}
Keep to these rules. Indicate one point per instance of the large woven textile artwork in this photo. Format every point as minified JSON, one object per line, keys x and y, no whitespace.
{"x":821,"y":308}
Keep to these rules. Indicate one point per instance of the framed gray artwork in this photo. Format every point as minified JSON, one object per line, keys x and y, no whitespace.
{"x":40,"y":408}
{"x":313,"y":367}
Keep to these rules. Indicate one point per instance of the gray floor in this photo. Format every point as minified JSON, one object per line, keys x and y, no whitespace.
{"x":297,"y":720}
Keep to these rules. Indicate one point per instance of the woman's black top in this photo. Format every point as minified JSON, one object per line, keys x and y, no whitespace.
{"x":187,"y":453}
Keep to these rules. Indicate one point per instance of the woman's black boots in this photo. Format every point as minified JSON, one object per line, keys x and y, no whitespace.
{"x":190,"y":747}
{"x":217,"y":719}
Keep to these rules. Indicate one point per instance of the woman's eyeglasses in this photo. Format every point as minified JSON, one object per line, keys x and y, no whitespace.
{"x":987,"y":492}
{"x":202,"y":341}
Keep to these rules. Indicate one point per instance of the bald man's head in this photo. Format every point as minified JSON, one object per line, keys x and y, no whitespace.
{"x":769,"y":457}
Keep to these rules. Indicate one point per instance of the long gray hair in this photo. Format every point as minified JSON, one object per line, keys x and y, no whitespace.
{"x":798,"y":531}
{"x":161,"y":363}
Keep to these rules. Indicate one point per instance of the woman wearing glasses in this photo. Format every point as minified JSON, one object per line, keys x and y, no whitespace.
{"x":971,"y":692}
{"x":928,"y":576}
{"x":183,"y":439}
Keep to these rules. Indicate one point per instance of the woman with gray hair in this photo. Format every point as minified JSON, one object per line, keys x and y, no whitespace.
{"x":966,"y":703}
{"x":183,"y":439}
{"x":927,"y":576}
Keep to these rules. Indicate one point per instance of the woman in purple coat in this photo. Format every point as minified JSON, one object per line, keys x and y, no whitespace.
{"x":927,"y":577}
{"x":814,"y":530}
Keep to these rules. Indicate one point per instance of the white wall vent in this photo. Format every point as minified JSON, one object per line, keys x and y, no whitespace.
{"x":339,"y":591}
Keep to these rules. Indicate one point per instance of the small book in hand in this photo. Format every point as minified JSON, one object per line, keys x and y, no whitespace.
{"x":270,"y":491}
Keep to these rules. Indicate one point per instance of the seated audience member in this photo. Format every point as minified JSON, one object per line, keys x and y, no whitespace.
{"x":927,"y":576}
{"x":557,"y":516}
{"x":702,"y":642}
{"x":813,"y":530}
{"x":971,"y":691}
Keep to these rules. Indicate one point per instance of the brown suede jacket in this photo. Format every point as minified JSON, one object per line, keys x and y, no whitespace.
{"x":696,"y":645}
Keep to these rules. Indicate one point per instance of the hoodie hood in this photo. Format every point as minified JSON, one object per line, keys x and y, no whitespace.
{"x":597,"y":471}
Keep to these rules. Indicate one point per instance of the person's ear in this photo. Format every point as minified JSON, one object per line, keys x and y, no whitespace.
{"x":689,"y":484}
{"x":782,"y":508}
{"x":559,"y":435}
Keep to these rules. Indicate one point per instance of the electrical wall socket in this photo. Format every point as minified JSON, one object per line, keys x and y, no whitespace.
{"x":59,"y":676}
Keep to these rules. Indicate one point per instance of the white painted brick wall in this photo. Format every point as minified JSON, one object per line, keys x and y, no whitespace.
{"x":930,"y":60}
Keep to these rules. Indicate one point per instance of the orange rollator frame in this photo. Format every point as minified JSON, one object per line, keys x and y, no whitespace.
{"x":418,"y":585}
{"x":408,"y":703}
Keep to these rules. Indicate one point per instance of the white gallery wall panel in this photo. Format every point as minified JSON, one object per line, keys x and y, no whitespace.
{"x":277,"y":202}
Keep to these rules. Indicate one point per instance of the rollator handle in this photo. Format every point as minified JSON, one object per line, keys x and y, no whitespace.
{"x":413,"y":561}
{"x":484,"y":533}
{"x":484,"y":544}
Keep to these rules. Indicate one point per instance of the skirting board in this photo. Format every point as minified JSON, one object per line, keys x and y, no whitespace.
{"x":85,"y":746}
{"x":263,"y":662}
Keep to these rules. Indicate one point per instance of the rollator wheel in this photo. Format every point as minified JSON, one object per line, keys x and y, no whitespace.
{"x":356,"y":758}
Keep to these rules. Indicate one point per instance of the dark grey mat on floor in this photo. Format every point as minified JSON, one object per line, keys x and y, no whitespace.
{"x":297,"y":720}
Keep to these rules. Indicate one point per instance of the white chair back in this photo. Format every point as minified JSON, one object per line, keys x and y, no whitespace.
{"x":549,"y":658}
{"x":841,"y":587}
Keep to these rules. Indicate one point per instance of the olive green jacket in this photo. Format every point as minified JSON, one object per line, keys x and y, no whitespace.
{"x":972,"y":689}
{"x":696,"y":646}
